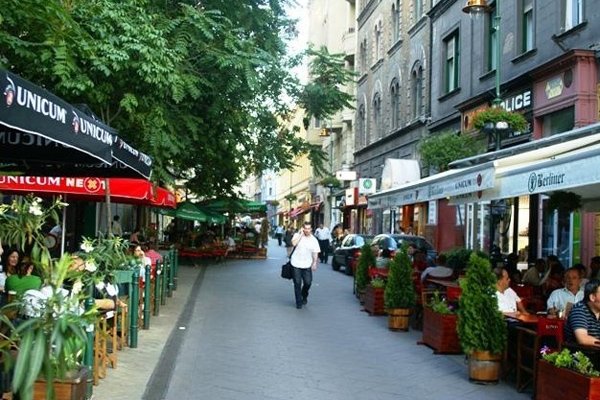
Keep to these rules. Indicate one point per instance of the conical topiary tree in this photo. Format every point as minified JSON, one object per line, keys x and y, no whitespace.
{"x":481,"y":326}
{"x":399,"y":290}
{"x":365,"y":260}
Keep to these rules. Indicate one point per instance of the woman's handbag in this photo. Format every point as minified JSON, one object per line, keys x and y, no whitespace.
{"x":287,"y":270}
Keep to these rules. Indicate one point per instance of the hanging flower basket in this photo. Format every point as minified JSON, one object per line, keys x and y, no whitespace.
{"x":515,"y":120}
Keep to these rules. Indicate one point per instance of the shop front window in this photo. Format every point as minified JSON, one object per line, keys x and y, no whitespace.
{"x":556,"y":234}
{"x":558,"y":122}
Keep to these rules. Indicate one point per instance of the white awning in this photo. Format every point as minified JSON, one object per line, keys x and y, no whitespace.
{"x":577,"y":170}
{"x":398,"y":171}
{"x":445,"y":184}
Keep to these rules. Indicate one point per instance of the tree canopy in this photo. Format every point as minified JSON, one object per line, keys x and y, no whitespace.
{"x":439,"y":150}
{"x":197,"y":85}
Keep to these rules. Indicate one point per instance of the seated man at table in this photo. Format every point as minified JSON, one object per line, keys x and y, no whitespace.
{"x":508,"y":300}
{"x":440,"y":270}
{"x":583,"y":324}
{"x":571,"y":293}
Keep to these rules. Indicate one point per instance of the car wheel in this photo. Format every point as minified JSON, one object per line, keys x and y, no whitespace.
{"x":334,"y":265}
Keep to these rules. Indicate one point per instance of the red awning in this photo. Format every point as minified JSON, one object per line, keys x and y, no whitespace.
{"x":298,"y":211}
{"x":163,"y":198}
{"x":122,"y":190}
{"x":316,"y":206}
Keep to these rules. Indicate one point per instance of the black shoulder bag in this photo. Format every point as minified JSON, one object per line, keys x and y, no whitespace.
{"x":287,"y":270}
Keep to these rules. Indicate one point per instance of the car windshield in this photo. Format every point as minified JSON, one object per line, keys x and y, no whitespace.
{"x":359,"y":241}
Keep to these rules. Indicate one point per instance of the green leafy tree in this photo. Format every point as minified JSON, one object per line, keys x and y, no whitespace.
{"x":399,"y":290}
{"x":438,"y":150}
{"x":481,"y":326}
{"x":365,"y":260}
{"x":199,"y":86}
{"x":323,"y":96}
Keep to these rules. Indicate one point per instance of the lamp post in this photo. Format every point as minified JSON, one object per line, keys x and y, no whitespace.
{"x":477,"y":7}
{"x":495,"y":130}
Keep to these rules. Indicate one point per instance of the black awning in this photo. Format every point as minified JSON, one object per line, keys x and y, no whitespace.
{"x":30,"y":115}
{"x":41,"y":134}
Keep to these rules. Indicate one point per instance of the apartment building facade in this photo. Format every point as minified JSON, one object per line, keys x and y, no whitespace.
{"x":392,"y":110}
{"x":545,"y":57}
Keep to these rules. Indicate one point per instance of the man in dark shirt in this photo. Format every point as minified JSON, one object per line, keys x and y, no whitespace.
{"x":583,"y":324}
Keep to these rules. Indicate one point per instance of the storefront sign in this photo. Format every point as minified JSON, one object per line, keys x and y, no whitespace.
{"x":518,"y":102}
{"x":344,"y":175}
{"x":439,"y":186}
{"x":554,"y":87}
{"x":570,"y":171}
{"x":432,"y":213}
{"x":367,"y":185}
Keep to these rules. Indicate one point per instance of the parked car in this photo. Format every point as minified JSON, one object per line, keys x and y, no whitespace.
{"x":346,"y":255}
{"x":393,"y":241}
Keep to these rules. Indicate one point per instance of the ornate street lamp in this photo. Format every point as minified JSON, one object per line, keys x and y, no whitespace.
{"x":495,"y":130}
{"x":477,"y":7}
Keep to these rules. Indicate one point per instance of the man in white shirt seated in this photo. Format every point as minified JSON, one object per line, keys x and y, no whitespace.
{"x":508,"y":300}
{"x":440,"y":270}
{"x":571,"y":293}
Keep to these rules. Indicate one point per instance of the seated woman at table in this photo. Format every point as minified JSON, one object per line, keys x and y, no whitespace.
{"x":508,"y":300}
{"x":571,"y":293}
{"x":23,"y":280}
{"x":583,"y":323}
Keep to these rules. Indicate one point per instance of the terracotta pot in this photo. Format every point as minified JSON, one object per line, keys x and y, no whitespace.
{"x":562,"y":383}
{"x":484,"y":367}
{"x":439,"y":332}
{"x":398,"y":319}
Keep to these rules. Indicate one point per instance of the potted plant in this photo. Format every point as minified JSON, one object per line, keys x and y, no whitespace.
{"x":361,"y":275}
{"x":374,"y":303}
{"x":399,"y":295}
{"x":566,"y":375}
{"x":439,"y":325}
{"x":481,"y":326}
{"x":51,"y":342}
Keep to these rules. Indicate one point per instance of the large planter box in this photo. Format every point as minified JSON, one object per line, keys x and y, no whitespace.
{"x":374,"y":303}
{"x":439,"y":332}
{"x":562,"y":383}
{"x":64,"y":389}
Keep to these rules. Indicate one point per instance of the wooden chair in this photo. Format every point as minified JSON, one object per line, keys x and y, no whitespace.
{"x":528,"y":345}
{"x":99,"y":350}
{"x":122,"y":320}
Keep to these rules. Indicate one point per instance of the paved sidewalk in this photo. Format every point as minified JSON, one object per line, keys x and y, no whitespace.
{"x":245,"y":340}
{"x":135,"y":366}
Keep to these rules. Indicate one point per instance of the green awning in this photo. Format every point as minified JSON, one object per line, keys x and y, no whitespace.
{"x":186,"y":210}
{"x":193,"y":212}
{"x":234,"y":206}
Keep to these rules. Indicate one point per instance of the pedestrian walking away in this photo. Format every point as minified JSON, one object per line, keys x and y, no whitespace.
{"x":304,"y":261}
{"x":289,"y":234}
{"x":324,"y":237}
{"x":279,"y":231}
